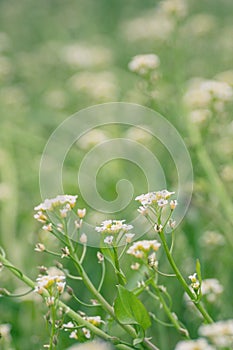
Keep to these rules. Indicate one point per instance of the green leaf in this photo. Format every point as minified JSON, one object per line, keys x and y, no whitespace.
{"x":198,"y":270}
{"x":130,"y":310}
{"x":137,"y":341}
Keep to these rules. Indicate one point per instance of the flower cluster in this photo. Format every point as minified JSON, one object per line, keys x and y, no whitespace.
{"x":49,"y":282}
{"x":140,"y":249}
{"x":159,"y":198}
{"x":211,"y":288}
{"x":219,"y":333}
{"x":203,"y":96}
{"x":113,"y":226}
{"x":195,"y":284}
{"x":199,"y":344}
{"x":62,"y":202}
{"x":144,"y":64}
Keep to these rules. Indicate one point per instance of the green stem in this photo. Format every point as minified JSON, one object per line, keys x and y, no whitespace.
{"x":182,"y":281}
{"x":214,"y":179}
{"x":71,"y":313}
{"x":167,"y":310}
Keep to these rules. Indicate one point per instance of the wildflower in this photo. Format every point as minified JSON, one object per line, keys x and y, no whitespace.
{"x":63,"y":212}
{"x":154,"y":198}
{"x":73,"y":334}
{"x":95,"y":320}
{"x":83,"y":238}
{"x":193,"y":278}
{"x":135,"y":266}
{"x":100,"y":257}
{"x":108,"y":240}
{"x":144,"y":64}
{"x":140,"y":248}
{"x":143,"y":210}
{"x":48,"y":227}
{"x":5,"y":329}
{"x":212,"y":238}
{"x":78,"y":224}
{"x":113,"y":226}
{"x":68,"y":326}
{"x":60,"y":200}
{"x":47,"y":281}
{"x":173,"y":204}
{"x":152,"y":261}
{"x":220,"y":333}
{"x":129,"y":237}
{"x":50,"y":301}
{"x":39,"y":247}
{"x":199,"y":344}
{"x":172,"y":223}
{"x":81,"y":213}
{"x":41,"y":217}
{"x":175,"y":8}
{"x":211,"y":288}
{"x":158,"y":228}
{"x":86,"y":333}
{"x":65,"y":252}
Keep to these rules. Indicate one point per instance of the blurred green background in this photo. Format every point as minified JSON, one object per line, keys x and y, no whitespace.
{"x":57,"y":57}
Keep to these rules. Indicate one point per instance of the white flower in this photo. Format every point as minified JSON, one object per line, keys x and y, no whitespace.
{"x":173,"y":204}
{"x":212,"y":289}
{"x":139,"y":248}
{"x":135,"y":266}
{"x":220,"y":333}
{"x":67,"y":326}
{"x":47,"y":281}
{"x":199,"y":344}
{"x":50,"y":204}
{"x":39,"y":247}
{"x":129,"y":237}
{"x":95,"y":320}
{"x":177,"y":8}
{"x":113,"y":226}
{"x":143,"y":210}
{"x":5,"y":329}
{"x":73,"y":335}
{"x":81,"y":213}
{"x":143,"y":64}
{"x":48,"y":227}
{"x":86,"y":332}
{"x":108,"y":240}
{"x":193,"y":278}
{"x":159,"y":198}
{"x":83,"y":238}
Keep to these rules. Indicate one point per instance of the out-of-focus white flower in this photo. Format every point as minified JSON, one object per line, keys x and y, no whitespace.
{"x":83,"y":238}
{"x":86,"y":333}
{"x":200,"y":25}
{"x":199,"y":344}
{"x":144,"y":64}
{"x":220,"y":333}
{"x":91,"y":138}
{"x":95,"y":320}
{"x":68,"y":326}
{"x":203,"y":94}
{"x":39,"y":247}
{"x":83,"y":56}
{"x":93,"y":345}
{"x":211,"y":239}
{"x":109,"y":240}
{"x":150,"y":26}
{"x":5,"y":329}
{"x":174,"y":8}
{"x":129,"y":237}
{"x":211,"y":288}
{"x":100,"y":86}
{"x":81,"y":213}
{"x":135,"y":266}
{"x":55,"y":99}
{"x":140,"y":249}
{"x":199,"y":116}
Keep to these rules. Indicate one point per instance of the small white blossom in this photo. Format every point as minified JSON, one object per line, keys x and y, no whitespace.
{"x":108,"y":240}
{"x":67,"y":326}
{"x":48,"y":227}
{"x":144,"y":64}
{"x":86,"y":332}
{"x":83,"y":238}
{"x":50,"y":204}
{"x":39,"y":247}
{"x":81,"y":213}
{"x":199,"y":344}
{"x":129,"y":237}
{"x":220,"y":333}
{"x":135,"y":266}
{"x":193,"y":277}
{"x":211,"y":288}
{"x":73,"y":334}
{"x":113,"y":226}
{"x":139,"y":248}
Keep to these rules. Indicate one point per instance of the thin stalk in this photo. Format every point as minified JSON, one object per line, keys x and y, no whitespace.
{"x":167,"y":310}
{"x":182,"y":281}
